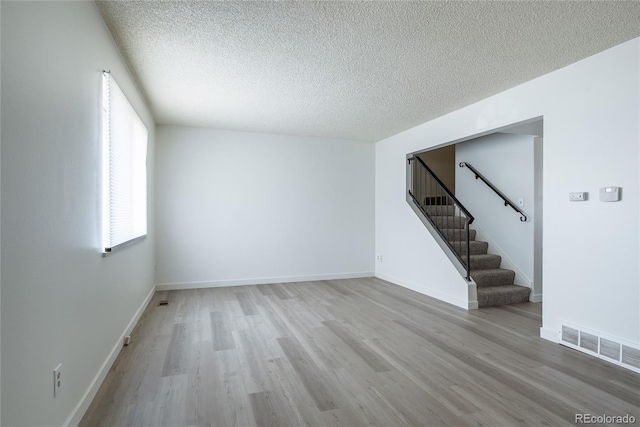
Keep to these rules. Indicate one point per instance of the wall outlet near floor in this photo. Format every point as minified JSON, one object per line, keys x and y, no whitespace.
{"x":57,"y":380}
{"x":379,"y":258}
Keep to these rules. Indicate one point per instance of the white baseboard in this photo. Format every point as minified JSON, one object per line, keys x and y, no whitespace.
{"x":549,"y":335}
{"x":82,"y":406}
{"x":260,"y":281}
{"x":535,"y":298}
{"x":458,"y":302}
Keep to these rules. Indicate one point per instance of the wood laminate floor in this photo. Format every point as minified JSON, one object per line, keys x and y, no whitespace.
{"x":349,"y":353}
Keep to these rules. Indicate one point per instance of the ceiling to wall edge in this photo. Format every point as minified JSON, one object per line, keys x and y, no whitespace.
{"x":515,"y":128}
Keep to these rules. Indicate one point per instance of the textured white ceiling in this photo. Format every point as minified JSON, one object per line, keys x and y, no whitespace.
{"x":353,"y":70}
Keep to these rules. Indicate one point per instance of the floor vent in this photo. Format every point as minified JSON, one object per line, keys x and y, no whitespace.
{"x":163,"y":302}
{"x":609,"y":349}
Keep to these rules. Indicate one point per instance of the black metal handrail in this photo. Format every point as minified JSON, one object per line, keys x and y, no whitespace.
{"x":427,"y":190}
{"x":507,"y":201}
{"x":444,"y":187}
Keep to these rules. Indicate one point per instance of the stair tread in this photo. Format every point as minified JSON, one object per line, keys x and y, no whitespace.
{"x":451,"y":218}
{"x":493,"y":277}
{"x":502,"y":295}
{"x":450,"y":209}
{"x":479,"y":256}
{"x":463,"y":243}
{"x":476,"y":247}
{"x":449,"y":221}
{"x":490,"y":270}
{"x":454,"y":234}
{"x":484,"y":261}
{"x":504,"y":289}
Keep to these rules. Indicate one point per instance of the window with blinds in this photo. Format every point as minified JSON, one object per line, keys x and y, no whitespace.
{"x":124,"y":162}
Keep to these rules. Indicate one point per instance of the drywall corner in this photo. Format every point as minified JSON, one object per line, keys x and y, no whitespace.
{"x":549,"y":335}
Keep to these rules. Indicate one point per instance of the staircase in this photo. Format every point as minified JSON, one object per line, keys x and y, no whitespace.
{"x":494,"y":284}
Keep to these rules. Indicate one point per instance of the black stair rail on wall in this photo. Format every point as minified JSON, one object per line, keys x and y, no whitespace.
{"x":507,"y":202}
{"x":441,"y":208}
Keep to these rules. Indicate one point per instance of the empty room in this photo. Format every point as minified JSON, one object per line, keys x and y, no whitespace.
{"x":319,"y":213}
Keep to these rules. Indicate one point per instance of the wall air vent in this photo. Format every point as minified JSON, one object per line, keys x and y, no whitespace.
{"x":589,"y":342}
{"x":631,"y":356}
{"x":610,"y":349}
{"x":605,"y":347}
{"x":570,"y":335}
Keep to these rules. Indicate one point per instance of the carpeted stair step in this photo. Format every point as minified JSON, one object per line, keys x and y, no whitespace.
{"x":493,"y":277}
{"x":436,"y":210}
{"x":475,"y":247}
{"x":449,"y":221}
{"x":501,"y":295}
{"x":485,"y":261}
{"x":458,"y":234}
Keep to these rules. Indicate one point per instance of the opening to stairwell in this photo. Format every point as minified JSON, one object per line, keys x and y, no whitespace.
{"x":505,"y":259}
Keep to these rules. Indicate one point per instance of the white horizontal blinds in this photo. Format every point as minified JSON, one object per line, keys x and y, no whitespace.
{"x":125,"y":166}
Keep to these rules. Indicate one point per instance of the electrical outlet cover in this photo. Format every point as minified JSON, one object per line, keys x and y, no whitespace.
{"x":578,"y":196}
{"x":57,"y":380}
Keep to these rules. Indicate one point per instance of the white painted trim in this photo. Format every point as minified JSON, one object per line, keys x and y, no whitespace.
{"x":260,"y":281}
{"x":426,"y":291}
{"x":506,"y":263}
{"x":472,"y":293}
{"x":82,"y":406}
{"x":535,"y":298}
{"x":537,"y":287}
{"x":549,"y":335}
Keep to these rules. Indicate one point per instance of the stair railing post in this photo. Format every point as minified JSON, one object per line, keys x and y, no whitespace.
{"x":468,"y":251}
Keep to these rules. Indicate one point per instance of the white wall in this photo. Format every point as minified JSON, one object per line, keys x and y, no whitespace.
{"x":506,"y":160}
{"x":61,"y":300}
{"x":239,"y":208}
{"x":591,"y":115}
